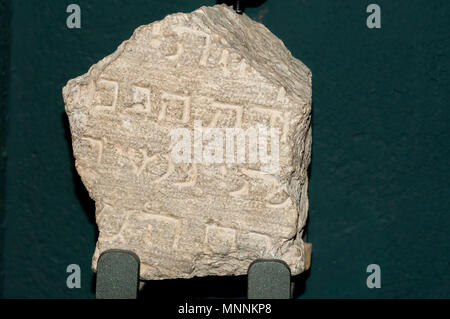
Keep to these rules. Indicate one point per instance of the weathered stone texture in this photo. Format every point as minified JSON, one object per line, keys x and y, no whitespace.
{"x":198,"y":219}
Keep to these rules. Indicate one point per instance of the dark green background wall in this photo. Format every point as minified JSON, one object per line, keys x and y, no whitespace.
{"x":379,"y":189}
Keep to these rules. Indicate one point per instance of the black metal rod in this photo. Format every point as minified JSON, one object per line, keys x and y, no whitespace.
{"x":238,"y":7}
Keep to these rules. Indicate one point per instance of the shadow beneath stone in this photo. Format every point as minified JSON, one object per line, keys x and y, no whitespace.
{"x":94,"y":283}
{"x":299,"y":282}
{"x":199,"y":287}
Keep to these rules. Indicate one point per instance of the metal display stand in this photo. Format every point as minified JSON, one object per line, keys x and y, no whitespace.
{"x":269,"y":279}
{"x":118,"y":277}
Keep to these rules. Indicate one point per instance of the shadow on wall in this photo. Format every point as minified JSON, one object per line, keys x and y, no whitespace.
{"x":80,"y":191}
{"x":87,"y":204}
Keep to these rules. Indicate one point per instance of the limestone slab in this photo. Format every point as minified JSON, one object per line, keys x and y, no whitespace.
{"x":198,"y":217}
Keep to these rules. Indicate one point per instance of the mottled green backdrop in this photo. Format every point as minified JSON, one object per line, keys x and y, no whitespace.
{"x":379,"y":189}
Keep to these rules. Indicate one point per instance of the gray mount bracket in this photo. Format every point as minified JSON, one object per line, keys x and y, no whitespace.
{"x":118,"y":277}
{"x":269,"y":279}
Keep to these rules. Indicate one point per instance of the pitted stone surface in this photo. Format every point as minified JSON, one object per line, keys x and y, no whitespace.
{"x":195,"y":218}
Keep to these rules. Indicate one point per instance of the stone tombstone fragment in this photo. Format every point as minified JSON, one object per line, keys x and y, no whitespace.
{"x":194,"y":140}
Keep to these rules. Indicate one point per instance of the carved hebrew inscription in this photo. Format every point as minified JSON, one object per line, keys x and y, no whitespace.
{"x":107,"y":85}
{"x":141,"y":100}
{"x":195,"y":146}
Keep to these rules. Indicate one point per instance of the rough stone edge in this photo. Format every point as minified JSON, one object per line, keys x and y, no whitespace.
{"x":297,"y":190}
